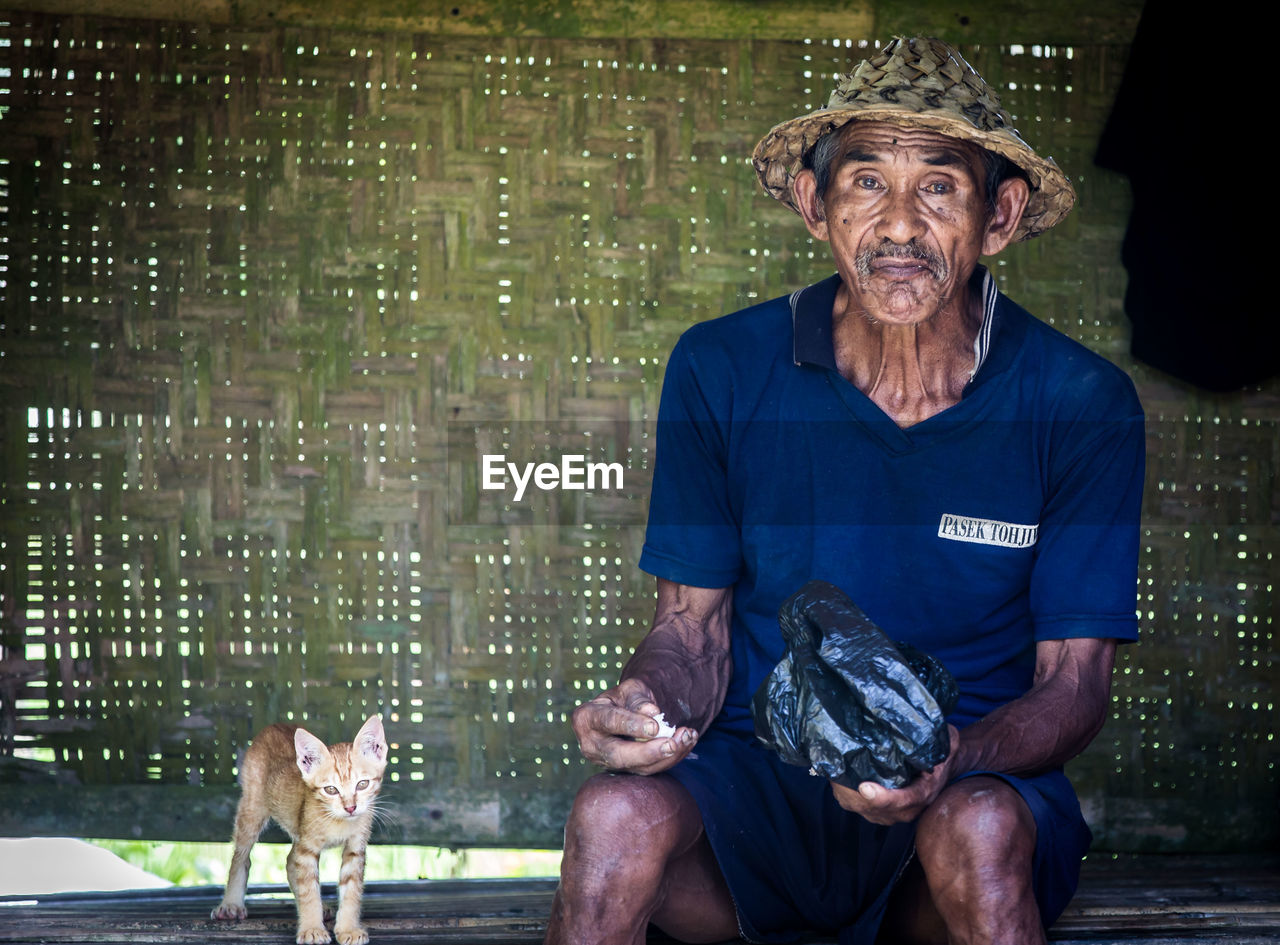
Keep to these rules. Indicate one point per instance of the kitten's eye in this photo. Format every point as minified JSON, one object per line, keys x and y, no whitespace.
{"x":362,"y":785}
{"x":330,"y":789}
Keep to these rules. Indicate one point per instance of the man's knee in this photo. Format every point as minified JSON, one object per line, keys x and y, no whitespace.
{"x":634,"y":852}
{"x":980,"y":823}
{"x":624,"y":817}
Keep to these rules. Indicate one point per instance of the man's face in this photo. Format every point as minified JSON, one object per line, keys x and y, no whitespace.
{"x":906,"y":216}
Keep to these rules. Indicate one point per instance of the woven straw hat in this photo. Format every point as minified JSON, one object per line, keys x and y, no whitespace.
{"x":919,"y":83}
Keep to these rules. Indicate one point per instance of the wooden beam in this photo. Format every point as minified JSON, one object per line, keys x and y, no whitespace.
{"x":973,"y":21}
{"x":528,"y":813}
{"x":1027,"y":22}
{"x":519,"y":815}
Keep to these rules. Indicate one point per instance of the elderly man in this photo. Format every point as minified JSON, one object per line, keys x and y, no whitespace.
{"x":968,"y":476}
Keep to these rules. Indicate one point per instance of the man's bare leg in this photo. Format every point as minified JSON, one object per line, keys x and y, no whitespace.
{"x":971,"y":883}
{"x":635,"y":852}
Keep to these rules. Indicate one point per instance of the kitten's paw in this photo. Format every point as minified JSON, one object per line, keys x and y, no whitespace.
{"x":355,"y":935}
{"x":229,"y":910}
{"x":316,"y":936}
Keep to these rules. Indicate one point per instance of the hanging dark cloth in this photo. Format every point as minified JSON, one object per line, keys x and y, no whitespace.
{"x":1186,"y":129}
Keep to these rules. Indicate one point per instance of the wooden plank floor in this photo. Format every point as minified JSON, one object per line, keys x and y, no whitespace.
{"x":1131,"y":900}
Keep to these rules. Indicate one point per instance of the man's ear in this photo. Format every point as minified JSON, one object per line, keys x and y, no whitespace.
{"x":1011,"y":200}
{"x":809,"y":202}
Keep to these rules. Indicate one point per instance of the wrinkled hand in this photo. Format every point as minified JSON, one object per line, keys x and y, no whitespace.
{"x":609,"y":725}
{"x":886,"y":806}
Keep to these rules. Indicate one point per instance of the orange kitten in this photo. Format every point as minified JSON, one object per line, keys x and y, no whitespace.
{"x":322,"y":797}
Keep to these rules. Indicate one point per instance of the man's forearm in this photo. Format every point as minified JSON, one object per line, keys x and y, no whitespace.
{"x":685,"y":659}
{"x":1053,"y":722}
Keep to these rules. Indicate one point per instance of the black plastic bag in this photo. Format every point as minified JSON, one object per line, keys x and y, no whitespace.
{"x":847,"y":702}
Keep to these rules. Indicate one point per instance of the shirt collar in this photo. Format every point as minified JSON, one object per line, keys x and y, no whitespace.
{"x":811,"y":307}
{"x":812,"y":341}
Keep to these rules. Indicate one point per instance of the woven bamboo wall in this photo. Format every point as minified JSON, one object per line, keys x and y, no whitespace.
{"x":269,"y":295}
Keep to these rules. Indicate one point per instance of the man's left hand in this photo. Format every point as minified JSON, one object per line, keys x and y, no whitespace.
{"x":882,"y":805}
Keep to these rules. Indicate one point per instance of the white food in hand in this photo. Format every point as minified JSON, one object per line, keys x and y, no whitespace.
{"x":664,"y":730}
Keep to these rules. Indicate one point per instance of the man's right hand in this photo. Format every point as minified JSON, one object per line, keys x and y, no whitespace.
{"x":680,"y":668}
{"x":617,"y":730}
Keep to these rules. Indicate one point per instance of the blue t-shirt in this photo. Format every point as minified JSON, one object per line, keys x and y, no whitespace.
{"x":1009,"y":518}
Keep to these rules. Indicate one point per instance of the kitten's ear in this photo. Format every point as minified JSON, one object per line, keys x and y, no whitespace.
{"x":309,"y":751}
{"x":371,"y":741}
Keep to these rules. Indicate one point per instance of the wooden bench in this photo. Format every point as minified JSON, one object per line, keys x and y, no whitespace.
{"x":1135,"y":900}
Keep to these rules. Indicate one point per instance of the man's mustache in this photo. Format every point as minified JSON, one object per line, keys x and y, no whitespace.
{"x":936,"y":265}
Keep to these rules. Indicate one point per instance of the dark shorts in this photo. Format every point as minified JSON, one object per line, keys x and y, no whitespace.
{"x":797,"y":863}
